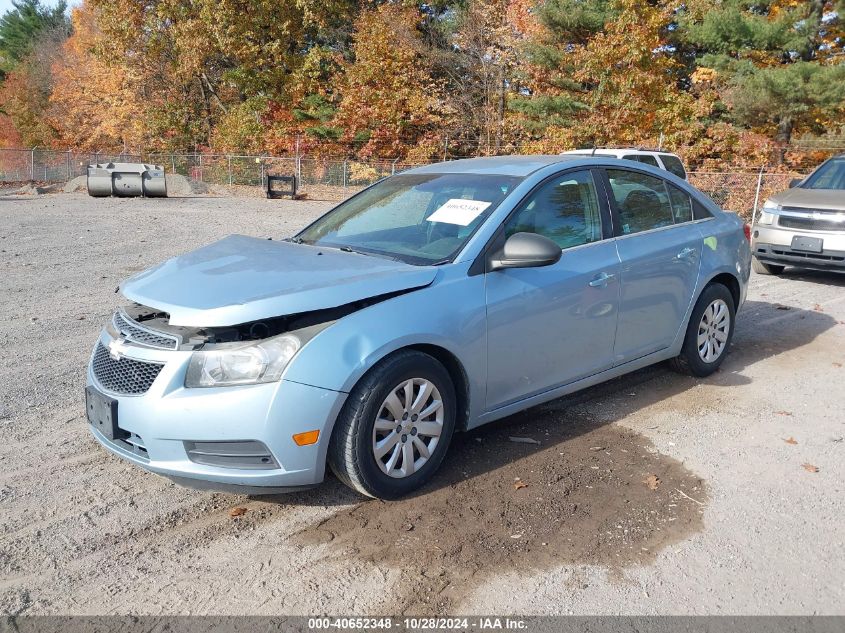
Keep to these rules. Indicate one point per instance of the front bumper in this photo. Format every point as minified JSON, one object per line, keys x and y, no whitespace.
{"x":773,"y":245}
{"x":168,"y":415}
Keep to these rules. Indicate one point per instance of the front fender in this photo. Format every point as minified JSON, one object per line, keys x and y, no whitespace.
{"x":449,"y":314}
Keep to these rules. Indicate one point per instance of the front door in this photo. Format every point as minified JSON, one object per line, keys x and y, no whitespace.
{"x":555,"y":324}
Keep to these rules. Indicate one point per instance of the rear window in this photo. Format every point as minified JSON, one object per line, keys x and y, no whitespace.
{"x":674,"y":165}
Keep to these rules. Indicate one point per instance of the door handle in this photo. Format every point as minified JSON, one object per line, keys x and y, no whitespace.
{"x":686,"y":253}
{"x":600,"y":280}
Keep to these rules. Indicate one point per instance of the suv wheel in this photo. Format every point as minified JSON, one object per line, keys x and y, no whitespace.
{"x":765,"y":269}
{"x":709,"y":333}
{"x":395,"y":428}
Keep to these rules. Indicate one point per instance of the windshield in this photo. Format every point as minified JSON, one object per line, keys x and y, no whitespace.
{"x":831,"y":175}
{"x":419,"y":219}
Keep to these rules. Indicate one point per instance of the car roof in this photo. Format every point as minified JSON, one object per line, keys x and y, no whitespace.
{"x":616,"y":150}
{"x":498,"y":165}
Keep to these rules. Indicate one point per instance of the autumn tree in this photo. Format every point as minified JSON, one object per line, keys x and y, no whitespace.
{"x":390,"y":105}
{"x":473,"y":50}
{"x":600,"y":73}
{"x":94,"y":104}
{"x":30,"y":38}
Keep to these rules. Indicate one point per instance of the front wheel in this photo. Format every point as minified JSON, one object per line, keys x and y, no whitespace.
{"x":709,"y":333}
{"x":395,"y":428}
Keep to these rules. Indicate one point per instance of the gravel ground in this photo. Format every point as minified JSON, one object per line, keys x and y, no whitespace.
{"x":652,"y":494}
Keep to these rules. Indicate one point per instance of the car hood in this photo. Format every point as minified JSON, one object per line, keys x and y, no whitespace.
{"x":832,"y":199}
{"x":241,"y":279}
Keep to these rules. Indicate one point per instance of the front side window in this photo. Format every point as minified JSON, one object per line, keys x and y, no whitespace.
{"x":831,"y":175}
{"x":419,"y":219}
{"x":642,"y":200}
{"x":564,"y":209}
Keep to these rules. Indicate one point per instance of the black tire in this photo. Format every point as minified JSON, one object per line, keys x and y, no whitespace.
{"x":350,"y":453}
{"x":689,"y":361}
{"x":765,"y":269}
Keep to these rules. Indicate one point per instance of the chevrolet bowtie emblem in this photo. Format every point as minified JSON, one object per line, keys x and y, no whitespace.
{"x":117,"y":348}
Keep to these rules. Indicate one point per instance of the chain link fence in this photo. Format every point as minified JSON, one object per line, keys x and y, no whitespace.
{"x":324,"y":178}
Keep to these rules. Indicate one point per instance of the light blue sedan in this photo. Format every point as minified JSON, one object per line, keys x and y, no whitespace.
{"x":434,"y":301}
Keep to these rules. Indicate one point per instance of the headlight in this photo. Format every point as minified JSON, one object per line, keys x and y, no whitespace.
{"x":766,"y":215}
{"x":242,"y":364}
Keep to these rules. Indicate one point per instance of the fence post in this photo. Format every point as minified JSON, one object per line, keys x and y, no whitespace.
{"x":229,"y":159}
{"x":173,"y":162}
{"x":757,"y":194}
{"x":32,"y":164}
{"x":393,"y":166}
{"x":445,"y":147}
{"x":297,"y":173}
{"x":344,"y":174}
{"x":200,"y":159}
{"x":67,"y":164}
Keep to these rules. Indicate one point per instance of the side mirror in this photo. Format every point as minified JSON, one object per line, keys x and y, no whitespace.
{"x":526,"y":250}
{"x":795,"y":182}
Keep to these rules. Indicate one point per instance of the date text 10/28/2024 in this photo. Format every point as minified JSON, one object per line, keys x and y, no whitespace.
{"x":491,"y":623}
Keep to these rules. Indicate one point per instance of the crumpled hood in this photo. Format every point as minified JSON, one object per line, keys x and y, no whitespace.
{"x":241,"y":279}
{"x":831,"y":199}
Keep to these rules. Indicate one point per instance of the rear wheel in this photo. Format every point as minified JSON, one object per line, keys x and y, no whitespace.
{"x":395,"y":428}
{"x":709,"y":333}
{"x":765,"y":269}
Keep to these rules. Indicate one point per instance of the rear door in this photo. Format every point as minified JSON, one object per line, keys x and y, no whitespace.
{"x":659,"y":246}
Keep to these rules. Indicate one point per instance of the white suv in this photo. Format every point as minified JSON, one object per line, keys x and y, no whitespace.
{"x":661,"y":160}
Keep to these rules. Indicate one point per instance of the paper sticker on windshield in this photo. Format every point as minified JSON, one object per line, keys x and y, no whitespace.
{"x":458,"y":211}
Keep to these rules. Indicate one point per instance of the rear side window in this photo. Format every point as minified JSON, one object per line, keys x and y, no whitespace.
{"x":642,"y":200}
{"x":643,"y":158}
{"x":699,"y":212}
{"x":565,"y":209}
{"x":681,"y":204}
{"x":674,"y":165}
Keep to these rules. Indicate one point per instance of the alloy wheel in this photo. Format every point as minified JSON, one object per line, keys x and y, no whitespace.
{"x":713,"y":330}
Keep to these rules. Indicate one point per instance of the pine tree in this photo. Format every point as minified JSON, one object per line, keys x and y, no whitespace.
{"x":21,"y":26}
{"x":775,"y":64}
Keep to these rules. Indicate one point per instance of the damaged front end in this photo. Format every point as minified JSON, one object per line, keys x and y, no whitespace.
{"x":246,"y":353}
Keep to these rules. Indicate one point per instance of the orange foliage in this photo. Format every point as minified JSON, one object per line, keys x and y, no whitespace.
{"x":93,"y":105}
{"x":390,"y":102}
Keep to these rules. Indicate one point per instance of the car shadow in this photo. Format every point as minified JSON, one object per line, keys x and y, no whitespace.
{"x":555,"y":423}
{"x":821,"y":277}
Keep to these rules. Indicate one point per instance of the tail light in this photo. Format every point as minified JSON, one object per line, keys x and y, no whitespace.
{"x":746,"y":228}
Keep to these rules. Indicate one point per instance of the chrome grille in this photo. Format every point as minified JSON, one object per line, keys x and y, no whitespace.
{"x":810,"y":223}
{"x":133,"y":331}
{"x":124,"y":376}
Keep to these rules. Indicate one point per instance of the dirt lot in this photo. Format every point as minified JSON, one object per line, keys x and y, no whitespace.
{"x":652,"y":494}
